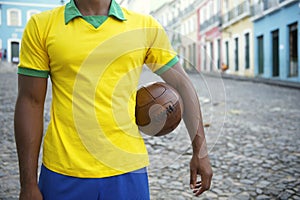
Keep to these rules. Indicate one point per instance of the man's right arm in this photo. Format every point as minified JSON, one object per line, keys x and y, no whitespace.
{"x":28,"y":125}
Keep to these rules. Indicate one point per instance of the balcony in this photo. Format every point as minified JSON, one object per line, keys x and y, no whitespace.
{"x":214,"y":20}
{"x":237,"y":13}
{"x":267,"y":6}
{"x":189,"y":9}
{"x":180,"y":15}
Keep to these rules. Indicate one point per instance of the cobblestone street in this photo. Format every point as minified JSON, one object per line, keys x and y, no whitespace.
{"x":252,"y":130}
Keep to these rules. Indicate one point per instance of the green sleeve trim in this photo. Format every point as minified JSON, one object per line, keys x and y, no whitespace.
{"x":167,"y":66}
{"x":33,"y":72}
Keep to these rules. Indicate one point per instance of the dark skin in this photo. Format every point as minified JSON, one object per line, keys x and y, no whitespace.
{"x":29,"y":113}
{"x":199,"y":164}
{"x":28,"y":132}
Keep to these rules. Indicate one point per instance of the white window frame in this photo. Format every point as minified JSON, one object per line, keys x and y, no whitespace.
{"x":204,"y":14}
{"x":211,"y":9}
{"x":201,"y":17}
{"x":9,"y":47}
{"x":30,"y":13}
{"x":1,"y":50}
{"x":9,"y":17}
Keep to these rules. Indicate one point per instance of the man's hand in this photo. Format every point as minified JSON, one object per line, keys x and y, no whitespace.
{"x":199,"y":165}
{"x":31,"y":193}
{"x":202,"y":167}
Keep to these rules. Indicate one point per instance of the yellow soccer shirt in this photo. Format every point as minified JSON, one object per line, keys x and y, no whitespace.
{"x":94,"y":74}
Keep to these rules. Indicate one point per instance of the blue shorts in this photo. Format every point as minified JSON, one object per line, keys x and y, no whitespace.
{"x":129,"y":186}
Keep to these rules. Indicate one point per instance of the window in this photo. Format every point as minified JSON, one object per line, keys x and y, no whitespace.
{"x":219,"y":53}
{"x":226,"y":5}
{"x":216,"y":7}
{"x":0,"y":15}
{"x":247,"y":51}
{"x":165,"y":19}
{"x":190,"y":56}
{"x":293,"y":44}
{"x":186,"y":27}
{"x":30,"y":13}
{"x":211,"y":55}
{"x":195,"y":23}
{"x":15,"y":48}
{"x":204,"y":14}
{"x":227,"y":52}
{"x":191,"y":25}
{"x":201,"y":17}
{"x":204,"y":57}
{"x":260,"y":52}
{"x":0,"y":45}
{"x":236,"y":54}
{"x":184,"y":56}
{"x":211,"y":12}
{"x":275,"y":52}
{"x":14,"y":17}
{"x":194,"y":55}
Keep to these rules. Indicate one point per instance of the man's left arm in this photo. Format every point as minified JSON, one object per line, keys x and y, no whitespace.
{"x":200,"y":163}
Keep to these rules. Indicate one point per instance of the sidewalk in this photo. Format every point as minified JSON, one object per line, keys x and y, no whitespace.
{"x":275,"y":82}
{"x":7,"y":67}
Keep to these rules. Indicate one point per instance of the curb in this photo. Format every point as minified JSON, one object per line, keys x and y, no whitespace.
{"x":280,"y":83}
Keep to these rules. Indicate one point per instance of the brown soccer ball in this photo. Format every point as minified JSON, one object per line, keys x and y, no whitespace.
{"x":158,"y":109}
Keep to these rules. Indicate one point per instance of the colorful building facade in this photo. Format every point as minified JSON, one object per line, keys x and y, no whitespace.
{"x":276,"y":39}
{"x":14,"y":15}
{"x":183,"y":32}
{"x":253,"y":38}
{"x":237,"y":37}
{"x":209,"y":35}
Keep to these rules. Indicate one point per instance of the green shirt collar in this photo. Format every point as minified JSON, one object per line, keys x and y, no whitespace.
{"x":71,"y":11}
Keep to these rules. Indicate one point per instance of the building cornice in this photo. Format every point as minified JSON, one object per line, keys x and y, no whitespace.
{"x":264,"y":13}
{"x":29,"y":4}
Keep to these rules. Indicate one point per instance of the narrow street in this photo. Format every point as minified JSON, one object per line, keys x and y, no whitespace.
{"x":252,"y":130}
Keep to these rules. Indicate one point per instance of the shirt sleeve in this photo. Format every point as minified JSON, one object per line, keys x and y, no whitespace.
{"x":160,"y":55}
{"x":34,"y":60}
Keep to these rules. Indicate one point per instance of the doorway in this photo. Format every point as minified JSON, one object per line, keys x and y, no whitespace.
{"x":293,"y":44}
{"x":275,"y":52}
{"x":260,"y":52}
{"x":15,"y":52}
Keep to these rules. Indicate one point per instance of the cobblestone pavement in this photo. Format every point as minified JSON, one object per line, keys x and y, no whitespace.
{"x":252,"y":130}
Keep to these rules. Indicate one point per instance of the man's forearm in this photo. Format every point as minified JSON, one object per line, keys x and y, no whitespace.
{"x":193,"y":120}
{"x":28,"y":134}
{"x":192,"y":115}
{"x":200,"y":164}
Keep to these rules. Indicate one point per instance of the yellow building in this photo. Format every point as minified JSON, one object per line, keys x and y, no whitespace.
{"x":179,"y":19}
{"x":237,"y":36}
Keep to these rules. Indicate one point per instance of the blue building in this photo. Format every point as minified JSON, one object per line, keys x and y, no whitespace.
{"x":14,"y":14}
{"x":276,"y":39}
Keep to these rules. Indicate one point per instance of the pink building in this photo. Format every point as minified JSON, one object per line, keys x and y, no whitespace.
{"x":209,"y":35}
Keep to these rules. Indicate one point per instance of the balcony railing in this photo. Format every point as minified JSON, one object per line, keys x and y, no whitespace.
{"x":180,"y":15}
{"x":265,"y":5}
{"x":188,"y":9}
{"x":236,"y":12}
{"x":213,"y":20}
